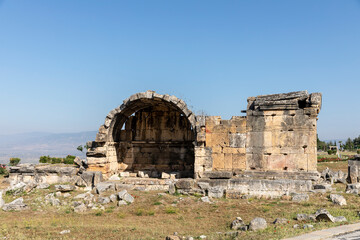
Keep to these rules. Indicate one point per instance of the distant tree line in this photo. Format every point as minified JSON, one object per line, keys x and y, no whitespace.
{"x":348,"y":145}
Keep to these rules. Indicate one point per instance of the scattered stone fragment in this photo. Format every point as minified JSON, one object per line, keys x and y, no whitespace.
{"x":124,"y":195}
{"x":300,"y":197}
{"x":121,"y":203}
{"x":141,"y":174}
{"x":257,"y":224}
{"x":353,"y":188}
{"x":58,"y":194}
{"x":64,"y":188}
{"x":114,"y":177}
{"x":2,"y":202}
{"x":16,"y":205}
{"x":64,"y":232}
{"x":113,"y":198}
{"x":76,"y":203}
{"x":322,"y":187}
{"x":340,"y":219}
{"x":80,"y":208}
{"x":104,"y":186}
{"x":172,"y":237}
{"x":296,"y":226}
{"x":124,"y":174}
{"x":66,"y":195}
{"x":338,"y":199}
{"x":216,"y":192}
{"x":172,"y":189}
{"x":238,"y":224}
{"x":202,"y":237}
{"x":205,"y":199}
{"x":308,"y":226}
{"x":104,"y":200}
{"x":305,"y":217}
{"x":29,"y":187}
{"x":281,"y":221}
{"x":16,"y":189}
{"x":165,"y":175}
{"x":43,"y":186}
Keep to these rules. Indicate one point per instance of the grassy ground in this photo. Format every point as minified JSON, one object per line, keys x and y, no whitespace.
{"x":154,"y":216}
{"x":343,"y":166}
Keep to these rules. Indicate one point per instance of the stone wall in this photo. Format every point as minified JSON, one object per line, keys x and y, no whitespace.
{"x":227,"y":139}
{"x":281,"y":132}
{"x":150,"y":131}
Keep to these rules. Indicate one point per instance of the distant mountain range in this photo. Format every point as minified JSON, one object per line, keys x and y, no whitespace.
{"x":30,"y":146}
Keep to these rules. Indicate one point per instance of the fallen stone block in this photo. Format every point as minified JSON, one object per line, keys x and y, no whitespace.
{"x":305,"y":217}
{"x":16,"y":205}
{"x":80,"y":208}
{"x":338,"y":199}
{"x":257,"y":224}
{"x":104,"y":186}
{"x":300,"y":197}
{"x":216,"y":192}
{"x":280,"y":221}
{"x":64,"y":188}
{"x":237,"y":224}
{"x":114,"y":177}
{"x":124,"y":195}
{"x":104,"y":200}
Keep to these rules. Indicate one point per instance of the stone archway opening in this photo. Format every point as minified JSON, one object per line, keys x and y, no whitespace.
{"x":156,"y":138}
{"x":149,"y":132}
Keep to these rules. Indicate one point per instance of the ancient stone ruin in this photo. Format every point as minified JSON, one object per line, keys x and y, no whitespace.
{"x":158,"y":134}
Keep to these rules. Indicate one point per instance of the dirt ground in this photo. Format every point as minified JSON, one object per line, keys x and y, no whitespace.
{"x":154,"y":216}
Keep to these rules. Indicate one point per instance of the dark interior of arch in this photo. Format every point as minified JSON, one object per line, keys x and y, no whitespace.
{"x":154,"y":137}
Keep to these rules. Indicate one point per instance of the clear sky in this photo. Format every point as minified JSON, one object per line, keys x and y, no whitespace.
{"x":65,"y":64}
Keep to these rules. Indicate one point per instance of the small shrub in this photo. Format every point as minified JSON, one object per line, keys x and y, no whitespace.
{"x":3,"y":170}
{"x":44,"y":159}
{"x":99,"y":213}
{"x":358,"y":151}
{"x":150,"y":213}
{"x":69,"y":159}
{"x":139,"y":212}
{"x":171,"y":210}
{"x":157,"y":203}
{"x":14,"y":161}
{"x":121,"y":215}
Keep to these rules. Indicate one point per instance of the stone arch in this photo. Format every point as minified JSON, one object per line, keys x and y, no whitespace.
{"x":104,"y":154}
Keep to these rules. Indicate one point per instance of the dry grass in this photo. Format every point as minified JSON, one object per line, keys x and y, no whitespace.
{"x":154,"y":217}
{"x":147,"y":219}
{"x":335,"y":166}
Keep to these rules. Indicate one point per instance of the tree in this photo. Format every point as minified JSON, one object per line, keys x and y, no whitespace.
{"x":321,"y":144}
{"x":14,"y":161}
{"x":349,"y":145}
{"x":80,"y":148}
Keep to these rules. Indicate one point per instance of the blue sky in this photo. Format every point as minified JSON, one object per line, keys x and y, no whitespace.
{"x":65,"y":64}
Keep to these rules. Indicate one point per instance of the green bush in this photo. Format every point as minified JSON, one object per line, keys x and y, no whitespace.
{"x":358,"y":151}
{"x":332,"y":152}
{"x":69,"y":159}
{"x":14,"y":161}
{"x":3,"y":170}
{"x":45,"y":159}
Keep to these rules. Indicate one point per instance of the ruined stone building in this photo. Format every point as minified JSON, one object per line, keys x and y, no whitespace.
{"x":158,"y":133}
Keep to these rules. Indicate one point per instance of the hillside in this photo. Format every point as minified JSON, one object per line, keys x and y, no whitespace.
{"x":30,"y":146}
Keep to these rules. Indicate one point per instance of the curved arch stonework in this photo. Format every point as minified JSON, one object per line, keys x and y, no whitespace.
{"x":102,"y":154}
{"x":278,"y":134}
{"x":134,"y":103}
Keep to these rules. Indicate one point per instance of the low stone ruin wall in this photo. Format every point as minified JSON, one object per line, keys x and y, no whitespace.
{"x":43,"y":173}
